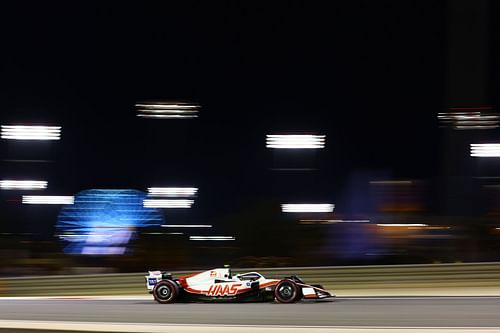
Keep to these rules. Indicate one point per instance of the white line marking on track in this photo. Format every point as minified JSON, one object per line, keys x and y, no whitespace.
{"x":149,"y":297}
{"x":178,"y":328}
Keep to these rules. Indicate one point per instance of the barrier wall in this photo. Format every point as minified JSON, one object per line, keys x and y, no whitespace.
{"x":346,"y":280}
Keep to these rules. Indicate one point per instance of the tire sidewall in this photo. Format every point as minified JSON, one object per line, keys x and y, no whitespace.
{"x":174,"y":291}
{"x":295,"y":293}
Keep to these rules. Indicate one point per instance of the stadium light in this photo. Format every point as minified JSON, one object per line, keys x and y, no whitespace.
{"x":295,"y":141}
{"x":166,"y":203}
{"x":187,"y":225}
{"x":307,"y":208}
{"x":24,"y":132}
{"x":8,"y":184}
{"x":212,"y":238}
{"x":167,"y":110}
{"x":485,"y":150}
{"x":48,"y":200}
{"x":172,"y":191}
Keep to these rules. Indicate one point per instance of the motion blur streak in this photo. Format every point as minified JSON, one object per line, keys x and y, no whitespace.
{"x":166,"y":116}
{"x":332,"y":221}
{"x":22,"y":132}
{"x":48,"y":200}
{"x":401,"y":225}
{"x":469,"y":119}
{"x":295,"y":141}
{"x":172,"y":191}
{"x":307,"y":208}
{"x":167,"y":110}
{"x":485,"y":149}
{"x":212,"y":238}
{"x":164,"y":203}
{"x":102,"y":250}
{"x":391,"y":182}
{"x":23,"y":184}
{"x":187,"y":226}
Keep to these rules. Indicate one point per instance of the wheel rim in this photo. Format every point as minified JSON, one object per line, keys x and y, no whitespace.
{"x":163,"y":292}
{"x":286,"y":291}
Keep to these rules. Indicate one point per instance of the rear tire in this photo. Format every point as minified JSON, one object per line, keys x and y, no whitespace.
{"x":287,"y":291}
{"x":166,"y":291}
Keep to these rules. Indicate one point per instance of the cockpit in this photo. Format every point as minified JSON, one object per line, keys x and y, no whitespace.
{"x":251,"y":276}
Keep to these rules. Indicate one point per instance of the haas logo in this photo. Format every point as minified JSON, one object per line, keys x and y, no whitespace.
{"x":220,"y":290}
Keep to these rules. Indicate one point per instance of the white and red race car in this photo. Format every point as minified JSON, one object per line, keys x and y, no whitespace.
{"x":219,"y":285}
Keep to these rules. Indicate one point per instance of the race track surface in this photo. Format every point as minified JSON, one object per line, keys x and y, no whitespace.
{"x":372,"y":312}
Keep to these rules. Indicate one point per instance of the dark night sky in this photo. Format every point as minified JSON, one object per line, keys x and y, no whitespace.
{"x":368,"y":74}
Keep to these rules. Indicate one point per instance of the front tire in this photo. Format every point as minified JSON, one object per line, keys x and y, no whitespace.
{"x":287,"y":291}
{"x":166,"y":291}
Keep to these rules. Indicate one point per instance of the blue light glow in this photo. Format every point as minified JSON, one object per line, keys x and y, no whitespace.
{"x":104,"y":221}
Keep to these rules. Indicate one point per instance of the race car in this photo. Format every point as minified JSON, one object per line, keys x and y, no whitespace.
{"x":221,"y":286}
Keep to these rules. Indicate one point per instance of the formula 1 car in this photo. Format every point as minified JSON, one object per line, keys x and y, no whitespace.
{"x":219,"y":285}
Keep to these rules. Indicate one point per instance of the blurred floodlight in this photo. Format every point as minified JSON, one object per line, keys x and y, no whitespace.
{"x":295,"y":141}
{"x":102,"y":218}
{"x":23,"y":132}
{"x":167,"y":110}
{"x":48,"y":200}
{"x":470,"y":118}
{"x":23,"y":184}
{"x":166,"y":203}
{"x":307,"y":208}
{"x":187,"y":225}
{"x":485,"y":149}
{"x":212,"y":238}
{"x":172,"y":191}
{"x":402,"y":225}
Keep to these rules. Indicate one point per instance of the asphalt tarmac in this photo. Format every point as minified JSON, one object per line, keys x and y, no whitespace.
{"x":358,"y":312}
